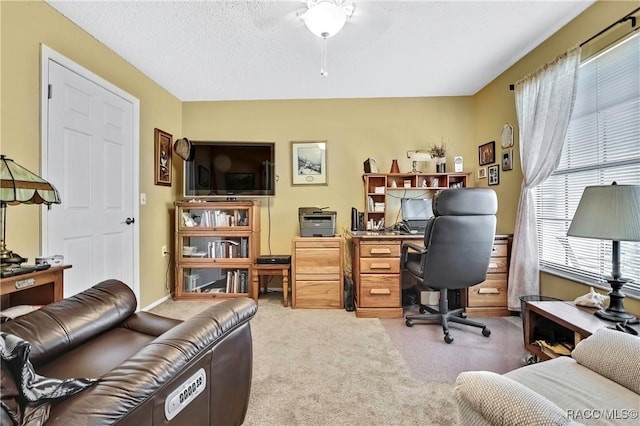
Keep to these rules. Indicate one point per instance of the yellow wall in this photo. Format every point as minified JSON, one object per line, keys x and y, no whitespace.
{"x":354,"y":128}
{"x":494,"y":105}
{"x":26,"y":24}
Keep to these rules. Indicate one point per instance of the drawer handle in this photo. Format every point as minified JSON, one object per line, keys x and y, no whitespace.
{"x":488,"y":290}
{"x":494,"y":249}
{"x":380,"y":266}
{"x":493,"y":265}
{"x":379,"y":291}
{"x":381,"y":250}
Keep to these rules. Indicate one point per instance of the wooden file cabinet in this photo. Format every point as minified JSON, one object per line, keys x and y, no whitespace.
{"x":489,"y":298}
{"x":378,"y":290}
{"x":317,"y":265}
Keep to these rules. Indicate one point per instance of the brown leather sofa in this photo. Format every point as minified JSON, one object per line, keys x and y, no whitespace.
{"x":146,"y":364}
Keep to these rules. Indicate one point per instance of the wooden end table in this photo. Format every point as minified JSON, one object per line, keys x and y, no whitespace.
{"x":565,"y":317}
{"x":34,"y":288}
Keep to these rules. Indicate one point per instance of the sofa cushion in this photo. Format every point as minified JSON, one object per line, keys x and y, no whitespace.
{"x":622,"y":364}
{"x":502,"y":401}
{"x":576,"y":389}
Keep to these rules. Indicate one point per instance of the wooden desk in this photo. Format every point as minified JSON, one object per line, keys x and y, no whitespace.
{"x":565,"y":317}
{"x":261,"y":270}
{"x":377,"y":277}
{"x":34,"y":288}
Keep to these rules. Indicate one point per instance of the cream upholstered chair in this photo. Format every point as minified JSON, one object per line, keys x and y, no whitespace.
{"x":457,"y":247}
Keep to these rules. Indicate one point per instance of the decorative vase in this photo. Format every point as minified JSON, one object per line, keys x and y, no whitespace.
{"x":441,"y":165}
{"x":394,"y":167}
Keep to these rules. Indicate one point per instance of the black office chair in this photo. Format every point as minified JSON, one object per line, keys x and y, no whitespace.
{"x":457,"y":247}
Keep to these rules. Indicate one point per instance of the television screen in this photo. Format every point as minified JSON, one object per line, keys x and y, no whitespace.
{"x":230,"y":169}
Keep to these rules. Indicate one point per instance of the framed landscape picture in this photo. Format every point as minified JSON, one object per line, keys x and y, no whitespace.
{"x":309,"y":163}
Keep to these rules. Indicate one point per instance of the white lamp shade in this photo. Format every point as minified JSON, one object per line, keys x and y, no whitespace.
{"x":420,"y":156}
{"x":325,"y":19}
{"x":609,"y":212}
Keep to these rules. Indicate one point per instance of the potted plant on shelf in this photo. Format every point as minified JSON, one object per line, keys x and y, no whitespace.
{"x":439,"y":153}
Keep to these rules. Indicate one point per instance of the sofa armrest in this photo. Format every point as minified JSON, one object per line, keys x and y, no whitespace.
{"x":595,"y":353}
{"x":498,"y":400}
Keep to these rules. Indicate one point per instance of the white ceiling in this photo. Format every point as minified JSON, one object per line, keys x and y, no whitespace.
{"x":240,"y":50}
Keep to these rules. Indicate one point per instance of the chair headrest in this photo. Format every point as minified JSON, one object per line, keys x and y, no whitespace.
{"x":465,"y":202}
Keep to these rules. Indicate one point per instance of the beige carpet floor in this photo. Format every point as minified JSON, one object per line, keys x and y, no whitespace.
{"x":327,"y":367}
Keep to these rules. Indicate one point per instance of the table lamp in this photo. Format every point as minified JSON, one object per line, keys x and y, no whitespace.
{"x":610,"y":212}
{"x":20,"y":186}
{"x":416,"y":156}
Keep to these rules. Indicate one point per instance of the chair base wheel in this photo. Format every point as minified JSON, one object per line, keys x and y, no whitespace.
{"x":448,"y":338}
{"x":486,"y":332}
{"x":423,"y":310}
{"x":409,"y":323}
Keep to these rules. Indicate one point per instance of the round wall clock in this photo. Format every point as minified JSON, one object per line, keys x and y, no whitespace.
{"x":506,"y":137}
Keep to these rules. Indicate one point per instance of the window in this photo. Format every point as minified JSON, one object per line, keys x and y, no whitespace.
{"x":602,"y":146}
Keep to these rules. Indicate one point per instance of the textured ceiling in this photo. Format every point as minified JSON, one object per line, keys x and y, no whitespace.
{"x":239,"y":50}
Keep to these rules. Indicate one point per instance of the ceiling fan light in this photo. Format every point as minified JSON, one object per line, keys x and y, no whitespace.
{"x":325,"y":19}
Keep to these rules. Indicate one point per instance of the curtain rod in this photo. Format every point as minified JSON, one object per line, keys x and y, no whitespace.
{"x":628,"y":17}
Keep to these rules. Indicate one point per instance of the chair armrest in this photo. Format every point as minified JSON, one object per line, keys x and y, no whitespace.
{"x":404,"y":254}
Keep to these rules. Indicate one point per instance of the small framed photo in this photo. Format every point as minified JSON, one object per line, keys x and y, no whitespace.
{"x":482,"y":173}
{"x":507,"y":160}
{"x":487,"y":153}
{"x":163,"y":144}
{"x":309,"y":163}
{"x":494,"y":175}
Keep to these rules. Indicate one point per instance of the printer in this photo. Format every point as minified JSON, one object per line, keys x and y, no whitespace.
{"x":315,"y":222}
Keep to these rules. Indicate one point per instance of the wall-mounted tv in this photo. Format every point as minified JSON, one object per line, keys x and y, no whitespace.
{"x":230,"y":169}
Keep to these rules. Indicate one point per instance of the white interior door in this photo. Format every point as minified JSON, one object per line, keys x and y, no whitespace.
{"x":91,"y":157}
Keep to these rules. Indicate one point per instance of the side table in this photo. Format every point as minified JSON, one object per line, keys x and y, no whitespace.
{"x":34,"y":288}
{"x":261,"y":270}
{"x":563,"y":318}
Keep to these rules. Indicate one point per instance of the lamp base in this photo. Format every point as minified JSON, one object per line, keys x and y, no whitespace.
{"x":9,"y":259}
{"x":615,"y":311}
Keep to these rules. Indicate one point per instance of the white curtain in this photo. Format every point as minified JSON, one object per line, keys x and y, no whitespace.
{"x":544,"y":102}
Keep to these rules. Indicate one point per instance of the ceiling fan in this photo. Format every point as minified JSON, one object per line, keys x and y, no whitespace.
{"x":325,"y":18}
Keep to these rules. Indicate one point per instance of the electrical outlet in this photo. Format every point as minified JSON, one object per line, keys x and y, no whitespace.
{"x":164,"y":251}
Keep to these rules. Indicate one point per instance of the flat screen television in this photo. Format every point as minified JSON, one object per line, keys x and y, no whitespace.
{"x":230,"y":169}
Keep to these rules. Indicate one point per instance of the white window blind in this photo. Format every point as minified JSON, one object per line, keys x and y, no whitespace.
{"x":602,"y":146}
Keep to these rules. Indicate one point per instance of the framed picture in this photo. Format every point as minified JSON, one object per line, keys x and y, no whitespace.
{"x":162,"y":170}
{"x":487,"y":153}
{"x":494,"y":175}
{"x":482,"y":173}
{"x":507,"y":160}
{"x":309,"y":163}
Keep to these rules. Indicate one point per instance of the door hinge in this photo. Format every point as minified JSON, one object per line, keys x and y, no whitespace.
{"x":50,"y":91}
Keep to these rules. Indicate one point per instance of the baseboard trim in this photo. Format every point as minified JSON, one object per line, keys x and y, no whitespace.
{"x":156,"y":303}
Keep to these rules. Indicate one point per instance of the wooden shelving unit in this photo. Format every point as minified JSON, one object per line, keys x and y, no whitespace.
{"x":216,"y":245}
{"x":378,"y":187}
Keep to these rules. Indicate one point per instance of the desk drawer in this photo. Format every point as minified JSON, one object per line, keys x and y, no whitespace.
{"x":492,"y":292}
{"x":379,"y":291}
{"x":318,"y":294}
{"x":374,"y":265}
{"x":380,"y":250}
{"x":497,"y":265}
{"x":499,"y":250}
